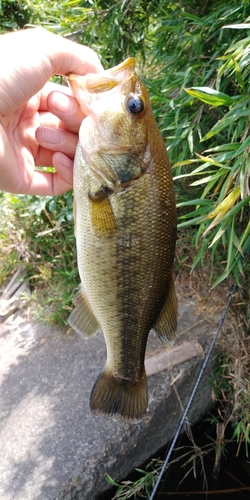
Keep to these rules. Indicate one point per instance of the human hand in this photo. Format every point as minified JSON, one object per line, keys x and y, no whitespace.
{"x":39,"y":120}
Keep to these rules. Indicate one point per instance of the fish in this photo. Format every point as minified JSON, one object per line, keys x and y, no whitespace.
{"x":125,"y":229}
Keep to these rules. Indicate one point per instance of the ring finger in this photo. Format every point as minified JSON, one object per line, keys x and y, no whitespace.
{"x":57,"y":139}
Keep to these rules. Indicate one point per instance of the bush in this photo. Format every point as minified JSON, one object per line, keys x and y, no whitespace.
{"x":200,"y":92}
{"x":37,"y":232}
{"x":196,"y":70}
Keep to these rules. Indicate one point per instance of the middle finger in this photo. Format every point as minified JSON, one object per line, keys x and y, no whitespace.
{"x":66,"y":108}
{"x":57,"y":139}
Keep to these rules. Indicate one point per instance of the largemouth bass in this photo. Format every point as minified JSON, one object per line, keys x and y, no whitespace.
{"x":125,"y":227}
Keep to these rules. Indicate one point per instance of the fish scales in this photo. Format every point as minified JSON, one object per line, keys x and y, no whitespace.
{"x":125,"y":233}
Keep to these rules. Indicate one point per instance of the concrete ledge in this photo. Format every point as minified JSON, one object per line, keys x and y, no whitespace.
{"x":52,"y":447}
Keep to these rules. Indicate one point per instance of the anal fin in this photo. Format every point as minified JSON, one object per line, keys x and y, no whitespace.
{"x":82,"y":319}
{"x":166,"y":323}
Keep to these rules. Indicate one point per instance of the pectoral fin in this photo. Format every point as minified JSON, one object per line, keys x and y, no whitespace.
{"x":74,"y":213}
{"x":102,"y":216}
{"x":82,"y":320}
{"x":166,"y":324}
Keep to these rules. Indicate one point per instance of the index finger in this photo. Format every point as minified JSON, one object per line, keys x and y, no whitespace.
{"x":33,"y":56}
{"x":70,"y":57}
{"x":48,"y":88}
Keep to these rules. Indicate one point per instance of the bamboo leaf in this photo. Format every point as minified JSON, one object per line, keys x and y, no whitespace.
{"x":198,"y":201}
{"x":230,"y":253}
{"x":191,"y":222}
{"x":239,"y":26}
{"x":185,"y":162}
{"x":242,"y":148}
{"x":218,"y":127}
{"x":218,"y":235}
{"x":205,"y":180}
{"x":227,"y":203}
{"x":215,"y":222}
{"x":241,"y":204}
{"x":210,"y":96}
{"x":223,"y":147}
{"x":244,"y":236}
{"x":210,"y":160}
{"x":221,"y":278}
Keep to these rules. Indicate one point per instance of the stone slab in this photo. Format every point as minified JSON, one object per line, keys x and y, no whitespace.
{"x":52,"y":447}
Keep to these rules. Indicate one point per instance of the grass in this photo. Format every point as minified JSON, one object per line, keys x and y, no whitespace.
{"x":37,"y":233}
{"x":196,"y":61}
{"x":142,"y":486}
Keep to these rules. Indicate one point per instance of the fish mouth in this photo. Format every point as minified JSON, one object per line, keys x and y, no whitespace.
{"x":128,"y":66}
{"x":96,"y":83}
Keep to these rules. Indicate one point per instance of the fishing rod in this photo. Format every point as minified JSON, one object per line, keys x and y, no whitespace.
{"x":193,"y":393}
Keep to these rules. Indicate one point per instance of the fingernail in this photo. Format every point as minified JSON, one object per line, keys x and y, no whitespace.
{"x":51,"y":135}
{"x":63,"y":160}
{"x":63,"y":102}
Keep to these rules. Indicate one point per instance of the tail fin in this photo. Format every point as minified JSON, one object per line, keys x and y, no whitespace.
{"x":126,"y":398}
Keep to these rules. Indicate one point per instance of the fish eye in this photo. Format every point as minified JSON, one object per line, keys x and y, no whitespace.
{"x":134,"y":104}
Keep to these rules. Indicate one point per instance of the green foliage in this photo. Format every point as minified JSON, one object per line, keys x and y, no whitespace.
{"x":230,"y":381}
{"x":14,"y":15}
{"x":200,"y":92}
{"x":223,"y":170}
{"x":38,"y":232}
{"x":242,"y":431}
{"x":140,"y":488}
{"x":185,"y":54}
{"x":114,"y":29}
{"x":194,"y":57}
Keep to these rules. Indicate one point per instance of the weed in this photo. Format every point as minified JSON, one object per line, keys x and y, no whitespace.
{"x":39,"y":233}
{"x":195,"y":60}
{"x":142,"y":487}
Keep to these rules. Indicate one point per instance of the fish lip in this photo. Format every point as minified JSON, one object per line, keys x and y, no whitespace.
{"x":128,"y":64}
{"x":94,"y":83}
{"x":104,"y":80}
